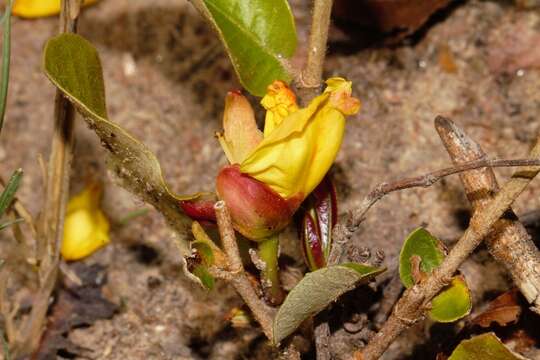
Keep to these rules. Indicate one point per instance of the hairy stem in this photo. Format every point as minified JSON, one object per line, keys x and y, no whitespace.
{"x":236,"y":274}
{"x":309,"y":83}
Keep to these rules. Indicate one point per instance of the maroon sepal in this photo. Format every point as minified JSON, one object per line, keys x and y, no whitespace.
{"x":199,"y":210}
{"x":317,"y":218}
{"x":256,"y":210}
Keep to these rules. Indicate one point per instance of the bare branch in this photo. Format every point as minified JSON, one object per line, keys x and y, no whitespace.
{"x":309,"y":83}
{"x":236,"y":274}
{"x":509,"y":243}
{"x":50,"y":239}
{"x":412,"y":305}
{"x":343,"y":232}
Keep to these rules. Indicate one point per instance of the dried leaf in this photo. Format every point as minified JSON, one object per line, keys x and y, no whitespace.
{"x":75,"y":307}
{"x":504,"y":310}
{"x":315,"y":292}
{"x":401,"y":16}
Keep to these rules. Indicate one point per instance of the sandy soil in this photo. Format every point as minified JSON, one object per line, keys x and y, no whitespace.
{"x":166,"y":77}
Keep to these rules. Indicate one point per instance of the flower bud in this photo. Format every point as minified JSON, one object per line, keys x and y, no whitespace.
{"x":317,"y":218}
{"x":256,"y":210}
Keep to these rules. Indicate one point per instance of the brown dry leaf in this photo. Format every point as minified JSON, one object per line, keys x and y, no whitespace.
{"x":404,"y":16}
{"x":504,"y":310}
{"x":75,"y":306}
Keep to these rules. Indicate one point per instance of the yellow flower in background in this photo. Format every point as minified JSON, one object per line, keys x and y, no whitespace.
{"x":86,"y":229}
{"x":39,"y":8}
{"x":271,"y":176}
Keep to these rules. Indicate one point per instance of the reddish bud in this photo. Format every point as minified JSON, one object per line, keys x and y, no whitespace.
{"x":317,"y":218}
{"x":199,"y":210}
{"x":256,"y":210}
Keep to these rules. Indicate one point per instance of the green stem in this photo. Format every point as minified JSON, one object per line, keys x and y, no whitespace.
{"x":268,"y":253}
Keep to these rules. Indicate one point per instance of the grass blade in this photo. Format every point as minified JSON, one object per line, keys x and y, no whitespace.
{"x":6,"y":55}
{"x":9,"y":223}
{"x":9,"y":192}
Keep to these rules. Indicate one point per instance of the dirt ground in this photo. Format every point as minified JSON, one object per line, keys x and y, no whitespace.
{"x":166,"y":77}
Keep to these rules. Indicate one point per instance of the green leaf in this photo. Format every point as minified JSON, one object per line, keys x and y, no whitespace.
{"x":257,"y":35}
{"x":315,"y":292}
{"x":205,"y":250}
{"x":484,"y":347}
{"x":9,"y":192}
{"x":202,"y":273}
{"x":419,"y":243}
{"x":452,"y":303}
{"x":74,"y":67}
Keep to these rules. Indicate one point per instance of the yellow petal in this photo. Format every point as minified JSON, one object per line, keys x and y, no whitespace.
{"x":297,"y":154}
{"x":241,"y":134}
{"x":86,"y":229}
{"x":39,"y":8}
{"x":279,"y":102}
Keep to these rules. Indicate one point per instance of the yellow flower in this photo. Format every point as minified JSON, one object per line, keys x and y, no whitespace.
{"x":296,"y":154}
{"x":86,"y":229}
{"x":39,"y":8}
{"x":269,"y":177}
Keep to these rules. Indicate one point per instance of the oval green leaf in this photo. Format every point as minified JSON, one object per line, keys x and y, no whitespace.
{"x":452,"y":303}
{"x":315,"y":292}
{"x":484,"y":347}
{"x":74,"y":67}
{"x":207,"y":280}
{"x":424,"y":245}
{"x":258,"y":35}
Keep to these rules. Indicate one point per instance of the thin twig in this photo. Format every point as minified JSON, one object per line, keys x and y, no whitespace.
{"x":226,"y":232}
{"x":412,"y":305}
{"x":236,"y":274}
{"x":49,"y":241}
{"x":321,"y":333}
{"x":510,"y":244}
{"x":343,"y":232}
{"x":310,"y":79}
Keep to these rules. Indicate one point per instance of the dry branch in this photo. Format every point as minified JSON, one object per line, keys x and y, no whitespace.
{"x":412,"y":305}
{"x":343,"y":232}
{"x":49,"y":236}
{"x":510,"y":244}
{"x":310,"y":79}
{"x":236,"y":274}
